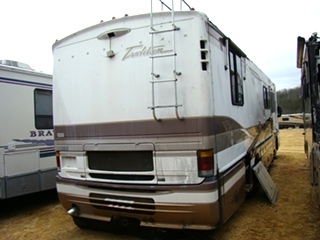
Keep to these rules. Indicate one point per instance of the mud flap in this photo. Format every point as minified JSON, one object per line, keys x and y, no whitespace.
{"x":266,"y":182}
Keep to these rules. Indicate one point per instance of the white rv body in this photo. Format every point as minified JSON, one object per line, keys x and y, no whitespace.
{"x":27,"y":155}
{"x":135,"y":108}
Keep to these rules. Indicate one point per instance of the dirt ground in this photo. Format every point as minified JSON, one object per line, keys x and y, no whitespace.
{"x":295,"y":215}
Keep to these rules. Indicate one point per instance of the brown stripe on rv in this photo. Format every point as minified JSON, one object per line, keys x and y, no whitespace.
{"x":204,"y":126}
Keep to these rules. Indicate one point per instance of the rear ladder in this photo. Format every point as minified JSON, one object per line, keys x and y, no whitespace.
{"x":156,"y":76}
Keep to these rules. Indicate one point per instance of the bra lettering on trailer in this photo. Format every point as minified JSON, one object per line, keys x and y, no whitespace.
{"x":41,"y":133}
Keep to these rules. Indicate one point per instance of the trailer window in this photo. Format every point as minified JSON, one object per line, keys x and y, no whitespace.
{"x":266,"y":97}
{"x":43,"y":109}
{"x":236,"y":79}
{"x":273,"y":102}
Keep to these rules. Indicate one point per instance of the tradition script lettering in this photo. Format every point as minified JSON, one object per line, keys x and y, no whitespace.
{"x":143,"y":51}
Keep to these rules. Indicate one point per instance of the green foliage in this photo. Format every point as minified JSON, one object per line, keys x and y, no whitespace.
{"x":290,"y":100}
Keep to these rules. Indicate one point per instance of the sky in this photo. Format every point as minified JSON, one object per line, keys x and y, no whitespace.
{"x":266,"y":30}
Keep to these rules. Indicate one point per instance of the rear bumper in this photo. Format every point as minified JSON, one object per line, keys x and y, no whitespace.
{"x":191,"y":207}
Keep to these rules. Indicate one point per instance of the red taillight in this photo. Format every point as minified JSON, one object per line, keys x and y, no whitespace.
{"x":58,"y":160}
{"x":205,"y":163}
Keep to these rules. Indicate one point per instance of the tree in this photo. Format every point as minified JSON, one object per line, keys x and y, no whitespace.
{"x":290,"y":100}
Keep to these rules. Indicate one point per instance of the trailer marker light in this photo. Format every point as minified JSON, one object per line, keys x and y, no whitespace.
{"x":205,"y":163}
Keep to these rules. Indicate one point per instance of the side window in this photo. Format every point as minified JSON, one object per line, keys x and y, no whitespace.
{"x":236,"y":79}
{"x":273,"y":102}
{"x":43,"y":109}
{"x":266,"y":97}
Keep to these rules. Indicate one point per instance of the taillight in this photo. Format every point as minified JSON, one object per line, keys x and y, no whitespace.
{"x":205,"y":163}
{"x":58,"y":160}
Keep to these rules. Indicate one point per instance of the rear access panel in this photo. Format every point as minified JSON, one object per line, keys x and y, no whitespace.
{"x":266,"y":182}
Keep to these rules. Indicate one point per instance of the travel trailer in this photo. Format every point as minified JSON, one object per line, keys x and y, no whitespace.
{"x":308,"y":55}
{"x":292,"y":120}
{"x":160,"y":120}
{"x":27,"y":155}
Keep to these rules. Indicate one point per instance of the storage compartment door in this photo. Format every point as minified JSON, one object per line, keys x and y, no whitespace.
{"x":22,"y":172}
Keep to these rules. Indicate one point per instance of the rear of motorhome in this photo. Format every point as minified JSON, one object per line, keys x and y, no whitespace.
{"x":159,"y":120}
{"x":308,"y":60}
{"x":27,"y":156}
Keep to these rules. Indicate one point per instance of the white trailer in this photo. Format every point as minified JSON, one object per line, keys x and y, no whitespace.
{"x":27,"y":155}
{"x":292,"y":120}
{"x":159,"y":120}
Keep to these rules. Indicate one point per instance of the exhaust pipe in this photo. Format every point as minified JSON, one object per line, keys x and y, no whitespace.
{"x":74,"y":211}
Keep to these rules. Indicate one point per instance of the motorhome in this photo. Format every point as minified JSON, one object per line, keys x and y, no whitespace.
{"x":308,"y":55}
{"x":27,"y":155}
{"x":160,"y":120}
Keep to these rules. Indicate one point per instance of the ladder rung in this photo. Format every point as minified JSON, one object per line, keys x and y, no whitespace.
{"x":164,"y":30}
{"x":165,"y":106}
{"x":163,"y":55}
{"x":164,"y":80}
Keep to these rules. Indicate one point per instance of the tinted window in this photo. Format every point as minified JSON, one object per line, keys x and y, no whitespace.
{"x":236,"y":79}
{"x":43,"y":109}
{"x":266,"y":98}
